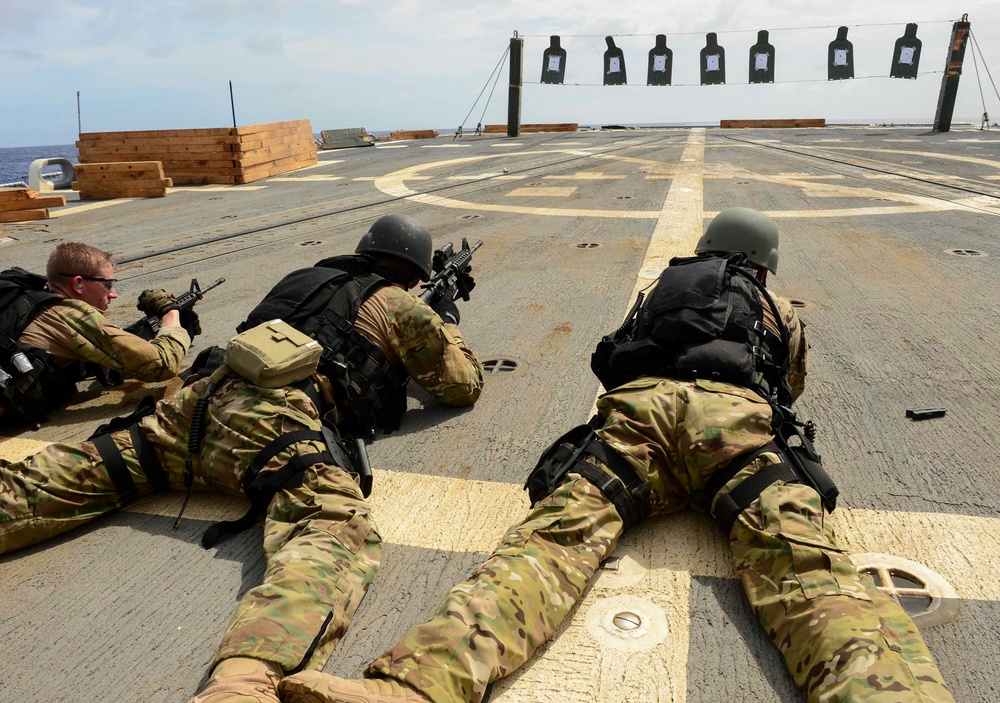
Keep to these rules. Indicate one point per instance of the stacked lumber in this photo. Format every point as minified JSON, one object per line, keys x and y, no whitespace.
{"x":526,"y":128}
{"x":24,"y":204}
{"x":125,"y":179}
{"x":410,"y":134}
{"x":226,"y":155}
{"x":778,"y":124}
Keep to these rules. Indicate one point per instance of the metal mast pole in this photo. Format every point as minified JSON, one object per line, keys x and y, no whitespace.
{"x":514,"y":88}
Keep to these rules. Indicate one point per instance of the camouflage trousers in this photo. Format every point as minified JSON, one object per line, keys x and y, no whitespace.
{"x":321,"y":544}
{"x":841,"y":638}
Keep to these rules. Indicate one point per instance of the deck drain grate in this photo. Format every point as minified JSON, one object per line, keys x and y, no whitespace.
{"x":922,"y":593}
{"x":801,"y":303}
{"x":310,"y":243}
{"x":964,"y":252}
{"x":623,"y":197}
{"x":499,"y":367}
{"x":471,"y":217}
{"x":627,"y":621}
{"x":587,"y":245}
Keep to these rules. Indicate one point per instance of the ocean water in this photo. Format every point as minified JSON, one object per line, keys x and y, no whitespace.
{"x":14,"y":161}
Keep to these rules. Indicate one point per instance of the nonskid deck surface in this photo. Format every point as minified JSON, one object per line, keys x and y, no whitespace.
{"x":888,"y":245}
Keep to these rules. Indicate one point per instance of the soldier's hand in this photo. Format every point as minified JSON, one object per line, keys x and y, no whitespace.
{"x":191,"y":322}
{"x":156,"y":302}
{"x":446,"y":308}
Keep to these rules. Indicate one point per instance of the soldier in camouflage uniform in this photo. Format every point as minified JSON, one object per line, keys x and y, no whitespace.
{"x":75,"y":329}
{"x":842,"y":639}
{"x":321,"y":543}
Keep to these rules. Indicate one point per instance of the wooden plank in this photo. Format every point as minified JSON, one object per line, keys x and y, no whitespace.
{"x":123,"y":167}
{"x":105,"y":193}
{"x":270,"y":126}
{"x":277,"y":134}
{"x":292,"y":140}
{"x":157,"y":133}
{"x":203,"y":180}
{"x":140,"y":152}
{"x":532,"y":128}
{"x":171,"y":166}
{"x":90,"y":183}
{"x":763,"y":124}
{"x":150,"y":175}
{"x":257,"y":174}
{"x":161,"y":141}
{"x":263,"y":156}
{"x":24,"y":215}
{"x":33,"y":203}
{"x":7,"y":195}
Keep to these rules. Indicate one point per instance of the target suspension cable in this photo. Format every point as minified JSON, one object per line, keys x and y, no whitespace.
{"x":736,"y":31}
{"x":497,"y":71}
{"x":979,"y":82}
{"x":986,"y":67}
{"x":495,"y":81}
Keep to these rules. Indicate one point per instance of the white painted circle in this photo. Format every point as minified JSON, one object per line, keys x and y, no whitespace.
{"x":944,"y":601}
{"x":627,"y":573}
{"x":647,"y":623}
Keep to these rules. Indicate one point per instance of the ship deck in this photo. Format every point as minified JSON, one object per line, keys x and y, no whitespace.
{"x":888,"y":247}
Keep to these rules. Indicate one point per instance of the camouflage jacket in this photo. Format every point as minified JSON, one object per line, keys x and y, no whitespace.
{"x":72,"y":330}
{"x":431,"y":350}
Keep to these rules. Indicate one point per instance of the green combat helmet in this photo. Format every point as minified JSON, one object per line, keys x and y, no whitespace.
{"x":743,"y":229}
{"x":401,"y":236}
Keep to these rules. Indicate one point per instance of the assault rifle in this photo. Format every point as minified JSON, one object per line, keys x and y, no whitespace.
{"x":148,"y":326}
{"x":451,"y":273}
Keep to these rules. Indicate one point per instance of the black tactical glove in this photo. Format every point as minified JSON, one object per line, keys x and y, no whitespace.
{"x":190,"y":322}
{"x":446,"y":308}
{"x":156,"y":302}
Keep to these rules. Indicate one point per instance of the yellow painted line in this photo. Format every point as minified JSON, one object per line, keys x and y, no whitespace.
{"x":394,"y":184}
{"x":928,"y":154}
{"x":587,"y":176}
{"x":543,"y":192}
{"x":411,"y":509}
{"x":508,"y":144}
{"x":218,"y":189}
{"x":89,"y":206}
{"x":391,"y":146}
{"x":330,"y":161}
{"x":444,"y":146}
{"x":315,"y":177}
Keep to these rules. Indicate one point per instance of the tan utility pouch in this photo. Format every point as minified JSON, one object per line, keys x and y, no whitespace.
{"x":273,"y":354}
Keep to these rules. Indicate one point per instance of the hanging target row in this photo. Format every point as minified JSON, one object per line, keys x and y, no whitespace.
{"x":840,"y":60}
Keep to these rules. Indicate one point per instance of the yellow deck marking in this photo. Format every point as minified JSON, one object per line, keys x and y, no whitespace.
{"x":89,"y":206}
{"x":218,"y":189}
{"x":508,"y":144}
{"x":314,"y":177}
{"x":391,"y":146}
{"x":542,"y":192}
{"x":587,"y":176}
{"x":443,"y":146}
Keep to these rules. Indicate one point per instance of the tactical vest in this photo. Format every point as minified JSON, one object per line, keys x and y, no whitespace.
{"x":29,"y":394}
{"x":323,"y":302}
{"x":703,"y":320}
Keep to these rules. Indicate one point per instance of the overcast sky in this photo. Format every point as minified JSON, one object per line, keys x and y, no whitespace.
{"x":420,"y":64}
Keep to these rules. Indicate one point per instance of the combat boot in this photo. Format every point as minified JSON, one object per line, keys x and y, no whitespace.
{"x":317,"y":687}
{"x":241,"y":680}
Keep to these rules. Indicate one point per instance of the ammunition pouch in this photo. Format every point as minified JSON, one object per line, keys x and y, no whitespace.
{"x":112,"y":457}
{"x":260,"y":488}
{"x":204,"y":365}
{"x":799,"y":464}
{"x":625,"y":489}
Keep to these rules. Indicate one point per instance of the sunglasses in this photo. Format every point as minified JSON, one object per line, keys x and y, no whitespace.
{"x":109,"y":283}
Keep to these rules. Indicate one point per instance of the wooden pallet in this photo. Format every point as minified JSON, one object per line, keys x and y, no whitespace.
{"x":401,"y":134}
{"x":530,"y":128}
{"x":778,"y":124}
{"x":121,"y":179}
{"x":202,"y":156}
{"x":24,"y":205}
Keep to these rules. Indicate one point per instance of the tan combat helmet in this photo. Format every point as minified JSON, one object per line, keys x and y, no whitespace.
{"x":743,"y":229}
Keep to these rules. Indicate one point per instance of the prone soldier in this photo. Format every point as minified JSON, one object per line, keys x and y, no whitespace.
{"x":51,"y":327}
{"x":697,"y":414}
